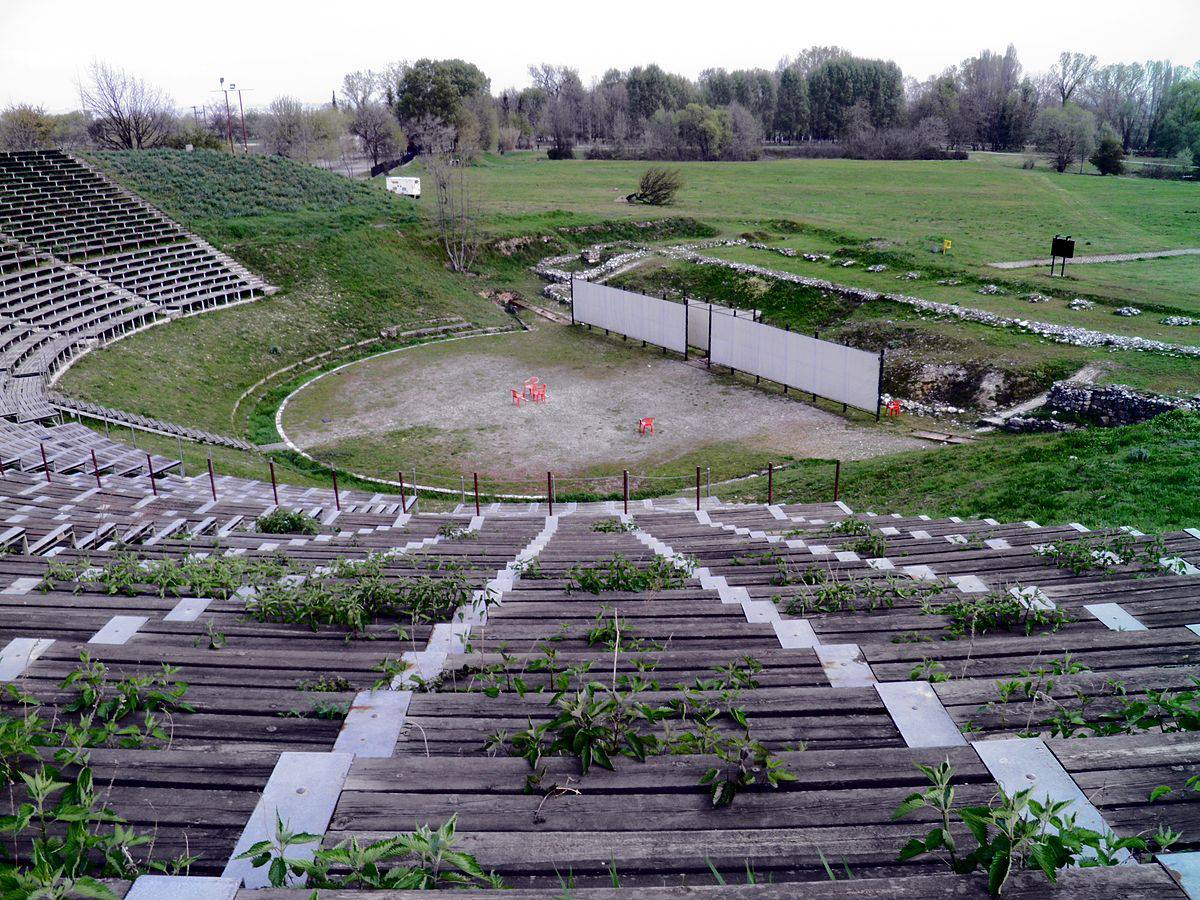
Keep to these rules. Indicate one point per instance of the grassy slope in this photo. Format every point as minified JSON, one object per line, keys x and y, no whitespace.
{"x":1084,"y":476}
{"x":350,"y":258}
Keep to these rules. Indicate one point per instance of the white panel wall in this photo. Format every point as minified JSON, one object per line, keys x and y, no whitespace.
{"x":830,"y":370}
{"x":809,"y":364}
{"x":660,"y":322}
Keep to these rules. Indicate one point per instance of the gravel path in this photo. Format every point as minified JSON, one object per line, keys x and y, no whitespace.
{"x":1098,"y":258}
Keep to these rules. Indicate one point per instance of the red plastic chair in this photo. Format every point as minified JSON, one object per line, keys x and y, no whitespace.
{"x":646,"y":425}
{"x":893,"y":408}
{"x":531,"y":386}
{"x":539,"y":393}
{"x":517,"y":396}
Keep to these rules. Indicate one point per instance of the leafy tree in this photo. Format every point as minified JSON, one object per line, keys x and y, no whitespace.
{"x":1066,"y":134}
{"x":791,"y":104}
{"x":1109,"y":153}
{"x":25,"y":127}
{"x":706,"y":130}
{"x":1180,"y":128}
{"x":428,"y":96}
{"x":836,"y":86}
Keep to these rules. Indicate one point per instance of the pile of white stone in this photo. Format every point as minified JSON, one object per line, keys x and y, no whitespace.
{"x":1080,"y":303}
{"x":1179,"y":320}
{"x":1128,"y":311}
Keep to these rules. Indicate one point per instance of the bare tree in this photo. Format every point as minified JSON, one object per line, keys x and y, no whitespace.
{"x":457,"y":210}
{"x":358,"y":89}
{"x":1071,"y":70}
{"x":127,"y":112}
{"x":377,"y":131}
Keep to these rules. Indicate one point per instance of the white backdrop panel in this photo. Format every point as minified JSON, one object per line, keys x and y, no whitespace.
{"x":645,"y":318}
{"x":830,"y":370}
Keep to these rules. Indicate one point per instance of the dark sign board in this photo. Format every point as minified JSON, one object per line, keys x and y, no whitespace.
{"x":1063,"y":247}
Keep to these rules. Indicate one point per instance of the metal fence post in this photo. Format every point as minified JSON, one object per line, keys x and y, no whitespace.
{"x":212,"y":479}
{"x":95,"y":468}
{"x":550,"y":492}
{"x":697,"y":488}
{"x":45,"y":463}
{"x":337,"y":500}
{"x":150,"y":469}
{"x":403,"y":500}
{"x":837,"y":480}
{"x":274,"y":488}
{"x":625,"y":480}
{"x":475,"y":477}
{"x":770,"y":484}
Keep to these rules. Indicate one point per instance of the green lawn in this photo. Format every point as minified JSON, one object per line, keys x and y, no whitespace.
{"x":1087,"y":476}
{"x":990,"y":209}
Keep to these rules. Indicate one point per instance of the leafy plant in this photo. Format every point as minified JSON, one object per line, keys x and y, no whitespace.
{"x":621,"y":574}
{"x":424,"y":859}
{"x":976,"y":614}
{"x":929,"y":670}
{"x":614,"y":526}
{"x":286,"y":521}
{"x":1103,"y":553}
{"x":657,"y":187}
{"x":455,"y":532}
{"x":1011,"y":832}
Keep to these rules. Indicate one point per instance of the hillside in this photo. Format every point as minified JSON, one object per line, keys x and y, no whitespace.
{"x":350,"y":258}
{"x":1099,"y":477}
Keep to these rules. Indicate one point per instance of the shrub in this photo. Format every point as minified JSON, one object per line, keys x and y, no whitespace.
{"x":567,"y":152}
{"x":657,"y":187}
{"x":284,"y":521}
{"x":1109,"y":156}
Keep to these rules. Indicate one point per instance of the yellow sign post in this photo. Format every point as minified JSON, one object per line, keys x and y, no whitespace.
{"x":946,"y":244}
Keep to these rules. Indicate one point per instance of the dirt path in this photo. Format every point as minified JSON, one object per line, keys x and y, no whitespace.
{"x":1099,"y":258}
{"x":1086,"y":375}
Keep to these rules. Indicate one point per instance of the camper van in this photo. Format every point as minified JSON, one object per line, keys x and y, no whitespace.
{"x":405,"y":187}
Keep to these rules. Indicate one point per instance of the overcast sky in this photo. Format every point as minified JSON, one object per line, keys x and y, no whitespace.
{"x":303,"y":48}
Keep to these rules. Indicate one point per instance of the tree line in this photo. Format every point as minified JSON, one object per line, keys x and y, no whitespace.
{"x":824,"y":101}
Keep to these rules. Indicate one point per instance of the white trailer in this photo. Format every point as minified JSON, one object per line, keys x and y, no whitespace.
{"x":405,"y":187}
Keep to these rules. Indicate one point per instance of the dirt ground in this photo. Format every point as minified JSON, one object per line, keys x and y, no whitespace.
{"x":450,"y":404}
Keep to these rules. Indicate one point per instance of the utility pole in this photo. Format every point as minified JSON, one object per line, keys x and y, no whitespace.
{"x":242,"y":113}
{"x":228,"y":116}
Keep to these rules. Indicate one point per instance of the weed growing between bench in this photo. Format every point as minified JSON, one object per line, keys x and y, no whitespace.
{"x":622,"y":574}
{"x":285,"y":521}
{"x":1012,"y":832}
{"x":432,"y":862}
{"x":349,"y":594}
{"x":59,"y":823}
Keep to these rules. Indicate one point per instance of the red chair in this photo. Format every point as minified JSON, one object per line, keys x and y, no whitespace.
{"x":893,"y":407}
{"x":646,"y":425}
{"x":517,"y":396}
{"x":530,"y":386}
{"x":539,"y":393}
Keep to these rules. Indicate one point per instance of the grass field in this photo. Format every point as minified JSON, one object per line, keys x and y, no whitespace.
{"x":1086,"y":476}
{"x":991,"y":210}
